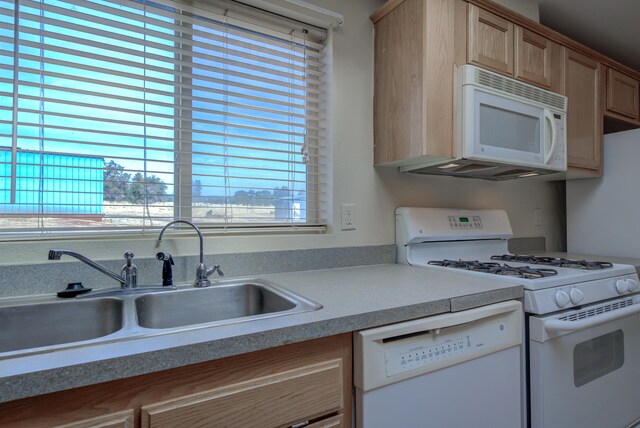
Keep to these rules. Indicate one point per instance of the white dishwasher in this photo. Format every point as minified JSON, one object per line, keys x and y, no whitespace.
{"x":460,"y":369}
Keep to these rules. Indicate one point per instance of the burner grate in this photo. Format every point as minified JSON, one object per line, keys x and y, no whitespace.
{"x":553,"y":261}
{"x":496,"y":268}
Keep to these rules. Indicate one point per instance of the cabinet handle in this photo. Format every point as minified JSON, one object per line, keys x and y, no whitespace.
{"x":300,"y":424}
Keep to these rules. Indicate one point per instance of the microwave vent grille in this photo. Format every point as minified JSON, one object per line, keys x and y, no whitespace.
{"x":598,"y":310}
{"x":522,"y":90}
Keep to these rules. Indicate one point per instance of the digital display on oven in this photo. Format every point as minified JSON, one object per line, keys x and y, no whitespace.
{"x":472,"y":222}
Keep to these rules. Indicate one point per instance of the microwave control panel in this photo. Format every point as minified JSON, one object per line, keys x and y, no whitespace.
{"x":559,"y":157}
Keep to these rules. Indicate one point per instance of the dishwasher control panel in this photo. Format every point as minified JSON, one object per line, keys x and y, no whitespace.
{"x":405,"y":358}
{"x":391,"y":353}
{"x":451,"y":344}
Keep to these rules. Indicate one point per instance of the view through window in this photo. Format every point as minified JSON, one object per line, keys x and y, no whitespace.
{"x":129,"y":114}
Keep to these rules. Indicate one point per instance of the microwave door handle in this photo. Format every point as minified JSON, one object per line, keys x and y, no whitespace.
{"x":549,"y":117}
{"x":556,"y":326}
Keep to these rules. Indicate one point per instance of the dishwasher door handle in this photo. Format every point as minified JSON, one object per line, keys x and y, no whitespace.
{"x":440,"y":322}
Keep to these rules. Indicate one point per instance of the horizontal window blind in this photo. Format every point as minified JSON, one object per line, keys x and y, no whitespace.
{"x":124,"y":114}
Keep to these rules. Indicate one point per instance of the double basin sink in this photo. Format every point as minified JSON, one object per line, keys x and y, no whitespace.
{"x":42,"y":327}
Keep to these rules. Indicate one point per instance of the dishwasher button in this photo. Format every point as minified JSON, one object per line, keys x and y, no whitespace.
{"x":562,"y":299}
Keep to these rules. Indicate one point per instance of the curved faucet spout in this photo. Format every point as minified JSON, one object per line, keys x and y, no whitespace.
{"x":202,"y":272}
{"x":194,"y":228}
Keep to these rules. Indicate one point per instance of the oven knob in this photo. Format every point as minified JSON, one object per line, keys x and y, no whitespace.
{"x":622,"y":286}
{"x":633,"y":285}
{"x":576,"y":296}
{"x":562,"y":298}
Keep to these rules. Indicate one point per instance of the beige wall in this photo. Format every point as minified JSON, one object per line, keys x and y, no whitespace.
{"x":528,"y":8}
{"x":376,"y":192}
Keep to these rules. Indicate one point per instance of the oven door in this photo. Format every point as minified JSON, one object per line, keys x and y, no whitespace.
{"x":585,"y":366}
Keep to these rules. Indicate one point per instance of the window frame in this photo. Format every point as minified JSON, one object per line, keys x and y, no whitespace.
{"x":183,"y":176}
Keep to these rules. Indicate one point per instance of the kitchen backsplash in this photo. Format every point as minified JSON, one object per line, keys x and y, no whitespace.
{"x":527,"y":245}
{"x":53,"y":276}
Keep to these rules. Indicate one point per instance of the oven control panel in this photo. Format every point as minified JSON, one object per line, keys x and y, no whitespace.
{"x":553,"y":299}
{"x":464,"y":222}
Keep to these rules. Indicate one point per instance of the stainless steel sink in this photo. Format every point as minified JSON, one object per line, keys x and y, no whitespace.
{"x":223,"y":303}
{"x":46,"y":324}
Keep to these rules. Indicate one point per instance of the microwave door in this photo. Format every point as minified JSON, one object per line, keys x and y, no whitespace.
{"x":507,"y":130}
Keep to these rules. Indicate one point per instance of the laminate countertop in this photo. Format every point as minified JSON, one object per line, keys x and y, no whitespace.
{"x":352,"y":299}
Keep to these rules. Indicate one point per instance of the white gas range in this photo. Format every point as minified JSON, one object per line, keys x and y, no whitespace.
{"x":583,"y":317}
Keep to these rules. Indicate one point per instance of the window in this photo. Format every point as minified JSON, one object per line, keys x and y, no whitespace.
{"x":127,"y":114}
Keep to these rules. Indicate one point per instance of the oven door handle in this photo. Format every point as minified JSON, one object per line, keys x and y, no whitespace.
{"x":556,"y":326}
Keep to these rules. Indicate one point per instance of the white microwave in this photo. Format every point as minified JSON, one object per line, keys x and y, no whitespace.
{"x":504,"y":129}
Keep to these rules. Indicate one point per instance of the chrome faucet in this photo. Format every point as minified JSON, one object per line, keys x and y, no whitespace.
{"x":202,"y":273}
{"x":128,"y":277}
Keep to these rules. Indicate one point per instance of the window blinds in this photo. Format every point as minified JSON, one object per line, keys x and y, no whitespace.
{"x":122,"y":114}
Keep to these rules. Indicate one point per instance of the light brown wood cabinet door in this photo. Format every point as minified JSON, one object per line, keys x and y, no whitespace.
{"x":490,"y":41}
{"x":584,"y":116}
{"x":277,"y":400}
{"x":622,"y":94}
{"x":113,"y":420}
{"x":533,"y":57}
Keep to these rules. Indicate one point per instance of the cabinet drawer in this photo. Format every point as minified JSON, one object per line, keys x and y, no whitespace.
{"x":336,"y":421}
{"x":112,"y":420}
{"x":622,"y":94}
{"x":280,"y":399}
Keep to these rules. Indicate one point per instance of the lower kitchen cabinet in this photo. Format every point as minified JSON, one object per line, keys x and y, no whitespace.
{"x":279,"y":387}
{"x":282,"y":399}
{"x":112,"y":420}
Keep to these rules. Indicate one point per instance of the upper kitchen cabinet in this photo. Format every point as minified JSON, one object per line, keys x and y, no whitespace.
{"x":622,"y":96}
{"x":499,"y":45}
{"x":538,"y":60}
{"x":584,"y":116}
{"x":414,"y":79}
{"x":490,"y":41}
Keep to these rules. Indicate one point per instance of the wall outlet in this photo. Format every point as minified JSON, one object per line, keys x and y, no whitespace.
{"x":537,"y":216}
{"x":348,"y":216}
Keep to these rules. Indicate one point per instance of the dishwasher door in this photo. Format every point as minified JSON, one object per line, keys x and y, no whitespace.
{"x":453,"y":370}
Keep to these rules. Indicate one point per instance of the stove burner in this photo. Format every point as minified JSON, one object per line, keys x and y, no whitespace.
{"x":552,"y":261}
{"x":495,"y":268}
